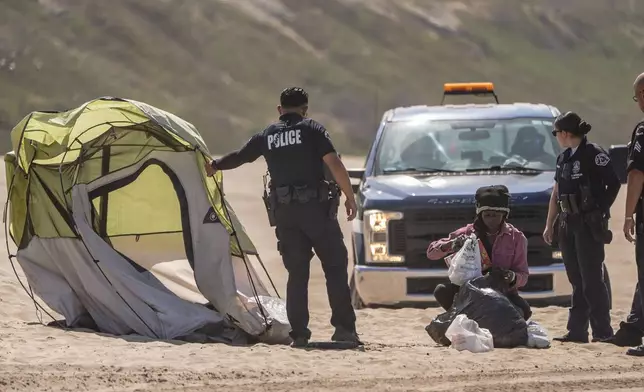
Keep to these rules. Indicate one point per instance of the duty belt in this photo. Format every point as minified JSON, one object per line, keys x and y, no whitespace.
{"x":290,"y":194}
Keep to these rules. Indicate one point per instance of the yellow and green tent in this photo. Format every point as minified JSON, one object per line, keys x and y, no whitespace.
{"x":115,"y":221}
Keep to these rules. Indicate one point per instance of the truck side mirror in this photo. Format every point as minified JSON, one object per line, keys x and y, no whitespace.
{"x":618,"y":156}
{"x":355,"y":174}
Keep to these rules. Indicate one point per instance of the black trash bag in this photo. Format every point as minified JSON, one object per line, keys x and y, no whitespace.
{"x":438,"y":326}
{"x":482,"y":300}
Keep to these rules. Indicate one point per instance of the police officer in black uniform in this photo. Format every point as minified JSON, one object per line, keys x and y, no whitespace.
{"x":631,"y":330}
{"x":586,"y":187}
{"x":304,"y":204}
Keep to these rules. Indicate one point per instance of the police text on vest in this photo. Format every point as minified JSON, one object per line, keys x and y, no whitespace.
{"x":282,"y":139}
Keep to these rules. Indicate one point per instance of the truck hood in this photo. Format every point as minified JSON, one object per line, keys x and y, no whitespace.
{"x":401,"y":186}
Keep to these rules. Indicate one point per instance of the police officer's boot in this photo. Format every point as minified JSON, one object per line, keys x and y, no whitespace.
{"x":300,"y":342}
{"x":570,"y":338}
{"x":636,"y":351}
{"x":344,"y":335}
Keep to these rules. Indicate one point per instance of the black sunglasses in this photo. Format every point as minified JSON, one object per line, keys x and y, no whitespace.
{"x":554,"y":132}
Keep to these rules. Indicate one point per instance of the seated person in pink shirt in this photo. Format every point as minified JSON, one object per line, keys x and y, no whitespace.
{"x":503,"y":247}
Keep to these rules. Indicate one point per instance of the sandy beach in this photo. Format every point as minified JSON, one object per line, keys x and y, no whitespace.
{"x":398,"y":354}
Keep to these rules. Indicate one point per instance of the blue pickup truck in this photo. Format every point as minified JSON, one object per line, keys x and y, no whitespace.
{"x":418,"y":185}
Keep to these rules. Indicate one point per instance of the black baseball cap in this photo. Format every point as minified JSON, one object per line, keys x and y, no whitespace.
{"x":293,"y":97}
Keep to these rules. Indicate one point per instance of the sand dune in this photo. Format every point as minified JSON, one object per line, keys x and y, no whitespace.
{"x":398,"y":354}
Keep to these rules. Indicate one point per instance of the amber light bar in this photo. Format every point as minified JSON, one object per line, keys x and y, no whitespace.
{"x":468,"y":88}
{"x":478,"y":88}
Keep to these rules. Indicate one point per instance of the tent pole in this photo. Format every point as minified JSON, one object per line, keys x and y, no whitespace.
{"x":250,"y":277}
{"x":268,"y":275}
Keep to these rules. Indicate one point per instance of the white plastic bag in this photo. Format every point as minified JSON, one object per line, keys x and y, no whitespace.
{"x":537,"y":336}
{"x":465,"y":334}
{"x":466,"y":263}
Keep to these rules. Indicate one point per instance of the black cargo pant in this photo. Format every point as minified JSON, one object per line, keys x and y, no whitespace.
{"x":634,"y":324}
{"x":583,"y":257}
{"x":300,"y":228}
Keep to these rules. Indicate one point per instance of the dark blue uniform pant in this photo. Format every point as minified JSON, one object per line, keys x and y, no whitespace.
{"x":634,"y":323}
{"x":300,"y":228}
{"x":583,"y":257}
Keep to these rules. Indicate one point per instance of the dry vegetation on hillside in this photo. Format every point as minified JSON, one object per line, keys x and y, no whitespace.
{"x":221,"y":63}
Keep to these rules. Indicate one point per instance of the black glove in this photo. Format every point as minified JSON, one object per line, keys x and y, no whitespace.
{"x":502,"y":276}
{"x":496,"y":274}
{"x":510,"y":277}
{"x":455,"y":244}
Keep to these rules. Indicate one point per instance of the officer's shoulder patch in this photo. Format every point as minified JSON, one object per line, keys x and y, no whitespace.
{"x":639,"y":129}
{"x":602,"y":159}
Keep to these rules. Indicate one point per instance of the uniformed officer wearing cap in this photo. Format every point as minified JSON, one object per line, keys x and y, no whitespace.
{"x":631,"y":330}
{"x":296,"y":149}
{"x":586,"y":187}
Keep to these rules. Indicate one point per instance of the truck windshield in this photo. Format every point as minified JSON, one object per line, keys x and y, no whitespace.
{"x":460,"y":145}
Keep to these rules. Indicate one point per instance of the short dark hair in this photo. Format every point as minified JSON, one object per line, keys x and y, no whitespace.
{"x":571,"y":122}
{"x":294,"y":97}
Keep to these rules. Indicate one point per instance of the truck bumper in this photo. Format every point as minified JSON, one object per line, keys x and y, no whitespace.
{"x":391,"y":286}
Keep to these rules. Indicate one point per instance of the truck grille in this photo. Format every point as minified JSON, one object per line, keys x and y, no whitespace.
{"x":411,"y":236}
{"x":396,"y":236}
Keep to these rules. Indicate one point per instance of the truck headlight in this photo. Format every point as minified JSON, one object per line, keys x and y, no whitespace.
{"x":376,"y":236}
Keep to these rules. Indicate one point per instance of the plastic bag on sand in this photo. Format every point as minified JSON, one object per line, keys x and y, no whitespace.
{"x":465,"y":334}
{"x":466,"y":263}
{"x":480,"y":300}
{"x":537,"y":336}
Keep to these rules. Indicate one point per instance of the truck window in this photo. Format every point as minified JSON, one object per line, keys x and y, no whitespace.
{"x":467,"y":144}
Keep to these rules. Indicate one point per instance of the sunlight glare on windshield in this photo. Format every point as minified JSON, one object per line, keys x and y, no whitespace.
{"x":459,"y":145}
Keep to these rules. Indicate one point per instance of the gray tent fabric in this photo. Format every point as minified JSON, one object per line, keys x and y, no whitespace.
{"x":138,"y":293}
{"x":40,"y":263}
{"x":128,"y":286}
